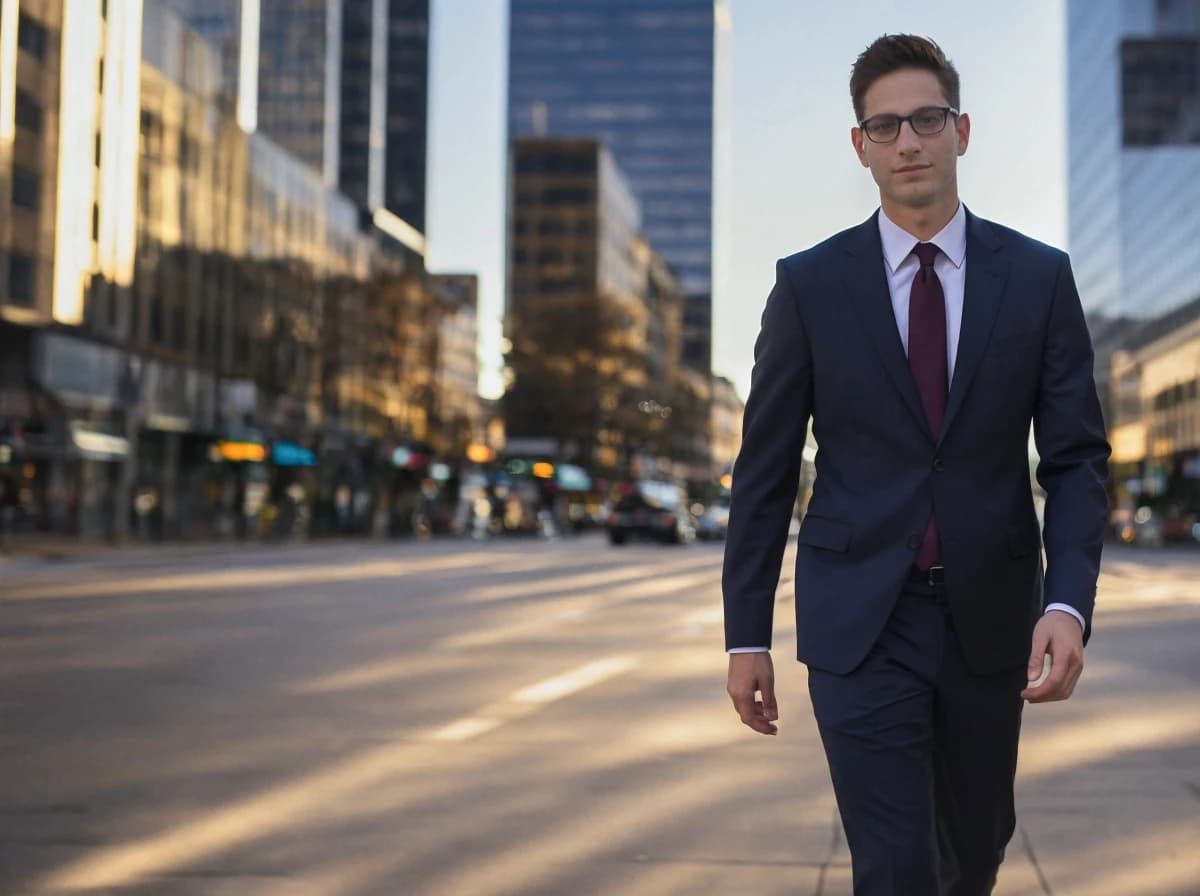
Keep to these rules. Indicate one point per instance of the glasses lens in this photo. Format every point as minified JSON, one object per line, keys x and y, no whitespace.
{"x":882,"y":128}
{"x":929,"y":121}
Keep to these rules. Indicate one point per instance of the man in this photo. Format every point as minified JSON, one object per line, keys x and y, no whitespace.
{"x":922,"y":343}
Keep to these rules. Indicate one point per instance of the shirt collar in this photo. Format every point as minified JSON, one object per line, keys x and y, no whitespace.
{"x":898,"y":243}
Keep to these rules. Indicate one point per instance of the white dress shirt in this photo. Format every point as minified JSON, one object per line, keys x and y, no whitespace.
{"x":901,"y":266}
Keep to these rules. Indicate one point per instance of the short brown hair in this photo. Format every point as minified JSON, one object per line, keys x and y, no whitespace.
{"x":894,"y":52}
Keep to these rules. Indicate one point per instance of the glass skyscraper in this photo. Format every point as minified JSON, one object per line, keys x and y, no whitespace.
{"x":1134,"y":154}
{"x":639,"y":76}
{"x":341,"y":84}
{"x":1134,"y":187}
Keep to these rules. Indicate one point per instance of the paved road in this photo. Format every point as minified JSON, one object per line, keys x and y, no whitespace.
{"x":514,"y":717}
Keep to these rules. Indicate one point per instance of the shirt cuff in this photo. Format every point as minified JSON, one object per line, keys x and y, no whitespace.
{"x":1064,"y":608}
{"x":749,"y":650}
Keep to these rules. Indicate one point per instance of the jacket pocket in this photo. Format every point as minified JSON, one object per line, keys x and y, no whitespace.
{"x":1023,"y":541}
{"x":819,"y":532}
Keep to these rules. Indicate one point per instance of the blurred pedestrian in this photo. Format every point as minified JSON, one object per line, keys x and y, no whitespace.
{"x":923,"y":344}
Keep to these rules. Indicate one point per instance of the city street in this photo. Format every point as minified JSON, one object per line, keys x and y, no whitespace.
{"x":512,"y":717}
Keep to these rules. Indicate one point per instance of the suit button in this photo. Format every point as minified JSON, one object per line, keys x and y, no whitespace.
{"x":938,"y":466}
{"x":914,"y":542}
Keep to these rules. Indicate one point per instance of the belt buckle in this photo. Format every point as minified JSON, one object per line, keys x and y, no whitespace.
{"x":936,"y":575}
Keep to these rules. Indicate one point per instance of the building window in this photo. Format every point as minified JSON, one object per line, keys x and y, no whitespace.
{"x":26,"y":188}
{"x":1160,"y":91}
{"x":95,"y":222}
{"x":28,"y":112}
{"x":31,"y":37}
{"x":21,"y":270}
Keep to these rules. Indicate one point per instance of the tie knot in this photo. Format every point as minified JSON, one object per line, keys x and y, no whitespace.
{"x":926,"y":252}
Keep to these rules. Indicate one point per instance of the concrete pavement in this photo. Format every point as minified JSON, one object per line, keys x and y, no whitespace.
{"x":512,"y":718}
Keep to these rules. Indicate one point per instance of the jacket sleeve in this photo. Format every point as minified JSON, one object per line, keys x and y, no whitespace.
{"x":767,"y":471}
{"x":1069,"y":433}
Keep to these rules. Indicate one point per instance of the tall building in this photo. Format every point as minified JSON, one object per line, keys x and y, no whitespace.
{"x":406,"y":110}
{"x":639,"y":76}
{"x":581,"y":323}
{"x":457,"y":411}
{"x":1134,"y":187}
{"x":1133,"y":88}
{"x":341,"y":84}
{"x":194,"y":325}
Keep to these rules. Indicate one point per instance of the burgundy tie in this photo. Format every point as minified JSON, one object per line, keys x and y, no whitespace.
{"x":927,"y":359}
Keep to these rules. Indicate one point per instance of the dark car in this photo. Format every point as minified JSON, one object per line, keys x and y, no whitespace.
{"x":652,"y":510}
{"x":713,"y":523}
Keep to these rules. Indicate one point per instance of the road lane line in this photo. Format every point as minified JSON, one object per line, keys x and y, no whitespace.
{"x":257,"y":817}
{"x":576,"y":680}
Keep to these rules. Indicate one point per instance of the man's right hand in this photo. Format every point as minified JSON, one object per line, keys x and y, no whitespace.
{"x":750,"y":674}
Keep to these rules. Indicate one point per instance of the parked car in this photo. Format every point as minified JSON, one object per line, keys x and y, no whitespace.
{"x":1179,"y":524}
{"x":656,"y":511}
{"x":713,"y":523}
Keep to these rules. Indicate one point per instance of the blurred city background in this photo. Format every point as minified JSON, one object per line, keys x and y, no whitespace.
{"x":217,"y":319}
{"x":342,"y":342}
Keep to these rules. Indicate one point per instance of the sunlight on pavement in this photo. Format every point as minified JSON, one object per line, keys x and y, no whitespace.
{"x":465,"y":729}
{"x":267,"y":578}
{"x":577,"y":607}
{"x":1063,"y":747}
{"x":1159,"y":858}
{"x":586,"y":581}
{"x":363,"y":676}
{"x":1120,"y":586}
{"x":610,"y":822}
{"x":293,"y":803}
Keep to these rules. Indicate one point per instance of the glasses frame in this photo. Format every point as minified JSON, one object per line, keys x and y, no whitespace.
{"x":946,"y":111}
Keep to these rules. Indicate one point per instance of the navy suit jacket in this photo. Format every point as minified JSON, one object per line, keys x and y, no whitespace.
{"x":829,"y":350}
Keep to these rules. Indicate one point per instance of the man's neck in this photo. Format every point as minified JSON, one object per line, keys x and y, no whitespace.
{"x":923,"y":223}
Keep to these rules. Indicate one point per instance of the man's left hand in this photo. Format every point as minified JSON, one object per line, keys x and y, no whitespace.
{"x":1058,"y":636}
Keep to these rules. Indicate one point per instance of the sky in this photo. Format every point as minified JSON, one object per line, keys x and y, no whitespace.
{"x":786,"y":176}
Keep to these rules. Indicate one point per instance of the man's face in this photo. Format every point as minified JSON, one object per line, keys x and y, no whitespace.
{"x":913,"y":171}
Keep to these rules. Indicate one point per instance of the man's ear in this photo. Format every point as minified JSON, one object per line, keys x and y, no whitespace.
{"x":856,"y":138}
{"x":962,"y":129}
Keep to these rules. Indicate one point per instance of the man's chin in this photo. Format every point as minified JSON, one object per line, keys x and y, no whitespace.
{"x":914,"y":199}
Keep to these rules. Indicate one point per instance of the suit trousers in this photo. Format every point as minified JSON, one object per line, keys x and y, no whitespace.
{"x":923,"y":756}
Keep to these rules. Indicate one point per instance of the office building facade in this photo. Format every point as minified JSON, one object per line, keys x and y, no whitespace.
{"x":1134,"y":186}
{"x":639,"y":76}
{"x":340,"y":84}
{"x":594,"y":321}
{"x":1133,"y":88}
{"x":200,"y":332}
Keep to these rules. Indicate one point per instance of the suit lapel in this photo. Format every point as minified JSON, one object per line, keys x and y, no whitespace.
{"x":866,"y":284}
{"x":987,"y":273}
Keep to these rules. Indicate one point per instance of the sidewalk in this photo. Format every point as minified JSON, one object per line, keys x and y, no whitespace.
{"x":34,"y":553}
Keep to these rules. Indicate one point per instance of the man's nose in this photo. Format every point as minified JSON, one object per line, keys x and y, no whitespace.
{"x":907,"y":140}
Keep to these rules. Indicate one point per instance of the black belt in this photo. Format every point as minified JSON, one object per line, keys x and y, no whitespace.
{"x":932,"y":577}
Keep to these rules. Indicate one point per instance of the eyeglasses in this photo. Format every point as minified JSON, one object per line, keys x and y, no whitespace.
{"x":925,"y":122}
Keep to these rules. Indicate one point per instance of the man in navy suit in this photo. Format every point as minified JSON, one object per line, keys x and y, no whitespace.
{"x":923,"y":344}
